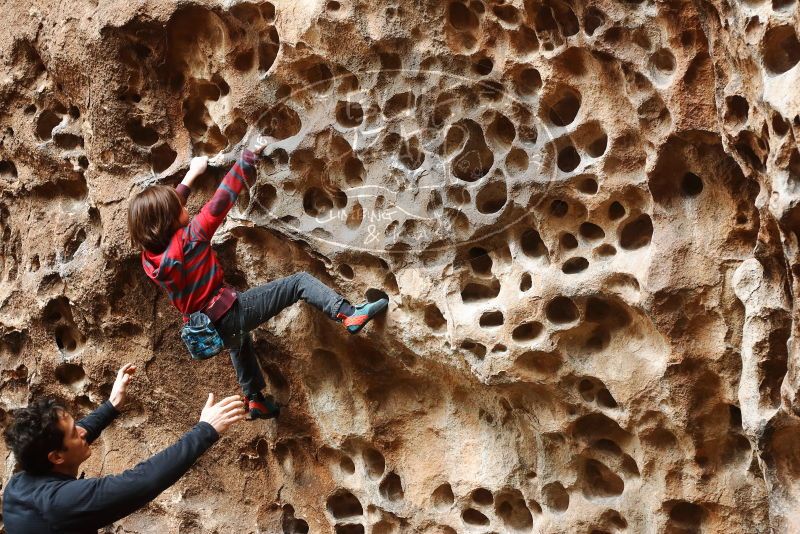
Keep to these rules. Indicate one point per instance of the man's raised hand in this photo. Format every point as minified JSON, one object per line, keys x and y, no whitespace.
{"x":119,"y":391}
{"x":224,"y":413}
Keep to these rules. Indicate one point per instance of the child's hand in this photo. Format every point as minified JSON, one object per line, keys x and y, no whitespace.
{"x":198,"y":165}
{"x":261,"y":143}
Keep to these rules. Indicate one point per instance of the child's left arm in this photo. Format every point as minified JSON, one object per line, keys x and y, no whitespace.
{"x":205,"y":223}
{"x":196,"y":167}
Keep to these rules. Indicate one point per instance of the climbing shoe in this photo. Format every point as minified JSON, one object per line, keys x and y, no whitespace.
{"x":260,"y":408}
{"x":362,"y":315}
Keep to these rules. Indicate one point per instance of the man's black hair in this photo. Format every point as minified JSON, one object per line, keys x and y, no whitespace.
{"x":34,"y":433}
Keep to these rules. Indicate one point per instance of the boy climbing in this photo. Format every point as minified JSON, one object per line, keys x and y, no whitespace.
{"x":177,"y":255}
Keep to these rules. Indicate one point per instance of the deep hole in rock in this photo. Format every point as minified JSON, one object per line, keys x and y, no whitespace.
{"x":564,"y":111}
{"x":69,"y":373}
{"x":8,"y":169}
{"x":532,"y":244}
{"x":319,"y":77}
{"x":491,"y":319}
{"x":568,"y":159}
{"x":663,"y":60}
{"x":478,"y":349}
{"x":527,"y":331}
{"x":434,"y":318}
{"x":443,"y":497}
{"x":45,"y":122}
{"x":559,"y":208}
{"x":517,"y":161}
{"x":476,"y":292}
{"x":483,"y":66}
{"x":598,"y":147}
{"x":140,"y":134}
{"x":568,"y":241}
{"x":68,"y":338}
{"x":561,"y":310}
{"x":349,"y":114}
{"x":616,"y":211}
{"x":461,"y":17}
{"x":346,"y":465}
{"x":555,"y":496}
{"x":591,"y":231}
{"x":491,"y":198}
{"x":398,"y":104}
{"x":344,"y":504}
{"x":637,"y":233}
{"x":600,"y":481}
{"x":346,"y":271}
{"x":280,"y":122}
{"x":480,"y":261}
{"x":575,"y":265}
{"x":348,"y":528}
{"x":501,"y":131}
{"x":594,"y":18}
{"x":780,"y":48}
{"x":512,"y":510}
{"x":588,"y":186}
{"x":605,"y":399}
{"x":161,"y":157}
{"x":67,"y":141}
{"x":737,"y":108}
{"x":528,"y":81}
{"x":391,"y":488}
{"x":686,"y":514}
{"x":316,"y":202}
{"x":507,"y":13}
{"x":482,"y":497}
{"x":472,"y":516}
{"x":475,"y":158}
{"x":691,"y":185}
{"x":525,"y":282}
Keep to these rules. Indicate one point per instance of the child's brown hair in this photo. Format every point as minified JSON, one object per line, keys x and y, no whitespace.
{"x":152,"y":217}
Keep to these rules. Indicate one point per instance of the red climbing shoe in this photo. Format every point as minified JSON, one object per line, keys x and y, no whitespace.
{"x":260,"y":408}
{"x":363,"y":314}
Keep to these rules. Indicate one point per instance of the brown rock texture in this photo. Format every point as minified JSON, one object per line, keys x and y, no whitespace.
{"x":585,"y":214}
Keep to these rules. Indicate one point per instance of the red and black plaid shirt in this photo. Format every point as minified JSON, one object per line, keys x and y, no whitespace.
{"x":188,"y":269}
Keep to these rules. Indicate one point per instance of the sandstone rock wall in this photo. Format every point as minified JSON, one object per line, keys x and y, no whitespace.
{"x":585,"y":216}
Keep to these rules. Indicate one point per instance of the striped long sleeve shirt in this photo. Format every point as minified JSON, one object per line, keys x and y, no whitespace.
{"x":188,"y":269}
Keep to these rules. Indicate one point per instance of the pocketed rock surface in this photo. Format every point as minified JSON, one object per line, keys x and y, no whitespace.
{"x":585,"y":216}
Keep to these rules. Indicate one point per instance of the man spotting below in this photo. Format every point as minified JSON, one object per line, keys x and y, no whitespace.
{"x":50,"y":446}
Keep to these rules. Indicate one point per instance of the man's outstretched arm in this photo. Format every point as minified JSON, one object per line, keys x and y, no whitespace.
{"x":98,"y":420}
{"x":94,"y":503}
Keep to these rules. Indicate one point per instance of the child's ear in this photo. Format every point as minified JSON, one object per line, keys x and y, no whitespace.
{"x":55,"y":457}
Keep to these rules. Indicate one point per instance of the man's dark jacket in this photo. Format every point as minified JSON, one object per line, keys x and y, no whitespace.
{"x":61,"y":504}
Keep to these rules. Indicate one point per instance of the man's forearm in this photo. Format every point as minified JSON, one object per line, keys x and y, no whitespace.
{"x":99,"y":419}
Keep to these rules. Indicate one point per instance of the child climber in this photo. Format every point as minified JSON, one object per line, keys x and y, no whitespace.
{"x":177,"y":255}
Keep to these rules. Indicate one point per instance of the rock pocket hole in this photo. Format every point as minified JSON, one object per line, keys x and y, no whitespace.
{"x":461,"y":17}
{"x":532,"y":244}
{"x":588,"y":186}
{"x":527,"y":331}
{"x":443,"y":497}
{"x":559,"y":208}
{"x":568,"y":159}
{"x":344,"y":504}
{"x":346,"y":465}
{"x":480,"y":261}
{"x":162,"y":157}
{"x":491,"y":198}
{"x":781,"y":49}
{"x":349,"y":528}
{"x":482,"y":497}
{"x":346,"y":271}
{"x":45,"y":123}
{"x":316,"y":202}
{"x":476,"y":292}
{"x":691,"y":185}
{"x":561,"y":310}
{"x":471,"y":516}
{"x":491,"y":319}
{"x":68,"y":339}
{"x":483,"y":66}
{"x":349,"y":114}
{"x":575,"y":265}
{"x":70,"y":374}
{"x":140,"y":134}
{"x":374,"y":463}
{"x":528,"y":81}
{"x":637,"y":233}
{"x":434,"y":318}
{"x":564,"y":111}
{"x":568,"y":241}
{"x":541,"y":363}
{"x":591,"y":231}
{"x":616,"y":211}
{"x":555,"y":497}
{"x":525,"y":282}
{"x":391,"y":488}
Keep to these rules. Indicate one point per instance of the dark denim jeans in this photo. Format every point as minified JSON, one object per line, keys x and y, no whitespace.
{"x":256,"y":306}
